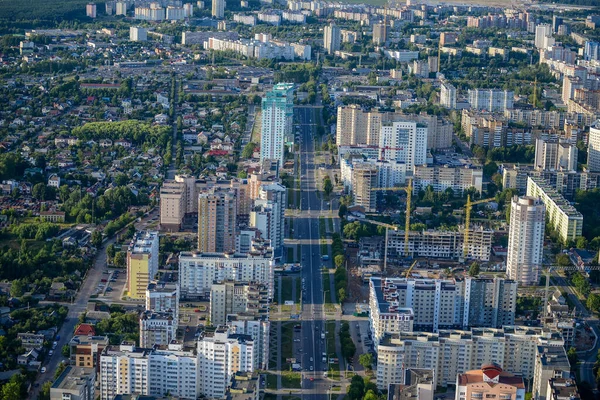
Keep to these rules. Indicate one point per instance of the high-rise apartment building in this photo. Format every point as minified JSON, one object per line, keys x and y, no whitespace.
{"x":357,"y":127}
{"x":74,"y":383}
{"x":594,"y":149}
{"x":90,"y":10}
{"x":163,"y":297}
{"x":332,"y":38}
{"x":550,"y":362}
{"x":491,"y":99}
{"x":399,"y":304}
{"x":218,"y":8}
{"x":556,"y":22}
{"x":172,"y":205}
{"x":555,"y":154}
{"x":127,"y":369}
{"x":121,"y":8}
{"x":277,"y":116}
{"x":543,"y":36}
{"x":142,"y":263}
{"x":364,"y":179}
{"x":198,"y":271}
{"x":217,"y":219}
{"x":591,"y":51}
{"x":230,"y":297}
{"x":268,"y":214}
{"x":405,"y":142}
{"x":256,"y":326}
{"x":442,"y":177}
{"x":157,"y":328}
{"x":379,"y":34}
{"x":451,"y":352}
{"x":491,"y":382}
{"x":561,"y":215}
{"x":448,"y":95}
{"x":221,"y":355}
{"x":525,"y":240}
{"x":138,"y":34}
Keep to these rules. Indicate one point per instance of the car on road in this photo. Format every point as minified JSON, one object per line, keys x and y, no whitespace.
{"x":51,"y":352}
{"x":311,"y":359}
{"x":311,"y":368}
{"x":43,"y":370}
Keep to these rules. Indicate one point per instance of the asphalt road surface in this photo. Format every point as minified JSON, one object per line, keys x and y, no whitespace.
{"x":307,"y":229}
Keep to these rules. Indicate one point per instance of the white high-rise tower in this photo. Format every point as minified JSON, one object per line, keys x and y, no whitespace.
{"x":277,"y":120}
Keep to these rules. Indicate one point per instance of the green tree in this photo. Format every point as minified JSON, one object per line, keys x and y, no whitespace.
{"x":572,"y":356}
{"x":248,"y":150}
{"x":582,"y":243}
{"x":110,"y":252}
{"x":96,"y":238}
{"x":339,"y":260}
{"x":12,"y":390}
{"x":120,"y":259}
{"x":66,"y":351}
{"x":593,"y":302}
{"x":39,"y":191}
{"x":474,"y":269}
{"x":366,"y":360}
{"x":370,"y":395}
{"x":356,"y":389}
{"x":563,"y":260}
{"x":341,"y":295}
{"x":327,"y":186}
{"x":17,"y":288}
{"x":45,"y":391}
{"x":344,"y":210}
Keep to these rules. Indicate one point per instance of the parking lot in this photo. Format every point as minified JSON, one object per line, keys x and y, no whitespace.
{"x":111,"y":285}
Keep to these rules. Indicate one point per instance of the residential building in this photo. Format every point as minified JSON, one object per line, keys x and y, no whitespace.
{"x":441,"y":244}
{"x":332,"y":38}
{"x":30,"y":341}
{"x":594,"y":149}
{"x":244,"y":386}
{"x":561,"y":215}
{"x":157,"y":328}
{"x":405,"y":142}
{"x":379,"y":34}
{"x":127,"y":369}
{"x":121,"y":8}
{"x":364,"y":179}
{"x":230,"y":297}
{"x":551,"y":362}
{"x":356,"y":126}
{"x":54,"y":181}
{"x":90,"y":10}
{"x":86,"y":351}
{"x":217,"y":216}
{"x":452,"y":352}
{"x":543,"y":36}
{"x":447,"y":95}
{"x":489,"y":382}
{"x":222,"y":355}
{"x":74,"y":383}
{"x":562,"y":389}
{"x":276,"y":128}
{"x":399,"y":304}
{"x":525,"y":240}
{"x":491,"y":99}
{"x":172,"y":205}
{"x":142,"y":263}
{"x":591,"y":51}
{"x":555,"y":154}
{"x":256,"y":326}
{"x":218,"y":8}
{"x":198,"y":271}
{"x":163,"y":297}
{"x":417,"y":384}
{"x":138,"y":34}
{"x":443,"y":177}
{"x":268,"y":215}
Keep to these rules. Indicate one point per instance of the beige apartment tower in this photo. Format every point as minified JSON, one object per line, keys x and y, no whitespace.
{"x":525,"y":240}
{"x":217,"y":213}
{"x":364,"y":179}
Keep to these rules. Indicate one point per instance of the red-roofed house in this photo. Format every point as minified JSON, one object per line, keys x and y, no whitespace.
{"x":85,"y":330}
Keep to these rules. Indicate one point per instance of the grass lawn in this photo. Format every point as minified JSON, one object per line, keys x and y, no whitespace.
{"x":298,"y":289}
{"x":286,"y":289}
{"x":330,"y":223}
{"x":326,"y":285}
{"x":322,"y":227}
{"x":271,"y":381}
{"x":331,"y":338}
{"x":291,"y":380}
{"x":290,"y":254}
{"x":287,"y":336}
{"x":324,"y":249}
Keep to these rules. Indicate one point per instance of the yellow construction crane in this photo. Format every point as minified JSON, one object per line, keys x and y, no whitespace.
{"x":386,"y":226}
{"x":408,"y":189}
{"x":410,"y":269}
{"x":468,"y":208}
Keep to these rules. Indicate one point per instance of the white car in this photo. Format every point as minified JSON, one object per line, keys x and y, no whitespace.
{"x":51,"y":352}
{"x":43,"y":370}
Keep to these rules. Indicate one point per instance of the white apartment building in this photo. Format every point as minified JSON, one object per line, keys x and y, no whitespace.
{"x":245,"y":19}
{"x":452,"y":352}
{"x":163,"y":297}
{"x":594,"y":149}
{"x":221,"y":356}
{"x":121,"y":8}
{"x":268,"y":214}
{"x":562,"y":216}
{"x":551,"y":362}
{"x":198,"y":271}
{"x":157,"y":328}
{"x":442,"y":177}
{"x":525,"y":240}
{"x":277,"y":114}
{"x":491,"y":99}
{"x":231,"y":297}
{"x":137,"y":34}
{"x":153,"y":13}
{"x":543,"y":36}
{"x":175,"y":13}
{"x":218,"y":8}
{"x":90,"y":10}
{"x":269,"y":18}
{"x":555,"y":154}
{"x":295,"y":17}
{"x":447,"y":95}
{"x":256,"y":326}
{"x":74,"y":383}
{"x":442,"y":244}
{"x":332,"y":38}
{"x":127,"y":369}
{"x":399,"y":304}
{"x":404,"y":142}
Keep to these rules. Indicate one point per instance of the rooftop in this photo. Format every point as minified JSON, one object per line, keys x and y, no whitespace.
{"x":72,"y":377}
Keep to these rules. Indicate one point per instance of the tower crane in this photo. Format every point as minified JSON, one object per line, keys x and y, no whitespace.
{"x":408,"y":189}
{"x":468,"y":208}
